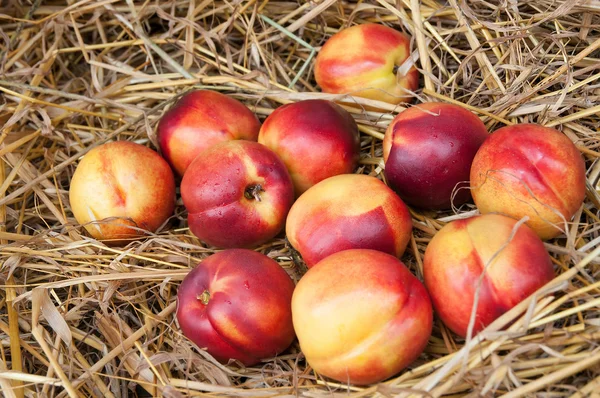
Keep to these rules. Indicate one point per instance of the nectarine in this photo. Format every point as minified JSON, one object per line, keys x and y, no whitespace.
{"x":237,"y":193}
{"x":199,"y":120}
{"x":361,"y":316}
{"x":349,"y":211}
{"x":481,"y":253}
{"x":315,"y":139}
{"x":237,"y":305}
{"x":125,"y":182}
{"x":428,"y":150}
{"x":366,"y":61}
{"x":529,"y":170}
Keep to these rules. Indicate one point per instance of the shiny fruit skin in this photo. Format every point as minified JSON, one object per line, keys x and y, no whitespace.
{"x":316,"y":139}
{"x":237,"y":305}
{"x":514,"y":267}
{"x":361,"y":316}
{"x":199,"y":120}
{"x":362,"y":60}
{"x":529,"y":170}
{"x":127,"y":184}
{"x":428,"y":150}
{"x":216,"y":190}
{"x":349,"y":211}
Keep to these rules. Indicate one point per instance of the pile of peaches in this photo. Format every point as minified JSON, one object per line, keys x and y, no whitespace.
{"x":359,"y":314}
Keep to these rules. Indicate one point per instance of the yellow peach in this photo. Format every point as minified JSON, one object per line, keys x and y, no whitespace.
{"x":529,"y":170}
{"x":366,"y":61}
{"x":121,"y":189}
{"x":361,"y":316}
{"x":348,"y":211}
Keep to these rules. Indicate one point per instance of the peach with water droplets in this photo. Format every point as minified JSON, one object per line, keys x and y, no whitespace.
{"x":236,"y":304}
{"x":237,"y":193}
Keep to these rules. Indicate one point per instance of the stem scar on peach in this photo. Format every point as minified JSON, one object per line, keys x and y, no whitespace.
{"x":204,"y":297}
{"x":252,"y":192}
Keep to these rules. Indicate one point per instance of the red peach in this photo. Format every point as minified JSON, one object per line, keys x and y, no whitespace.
{"x":237,"y":193}
{"x":316,"y":139}
{"x":513,"y":267}
{"x":199,"y":120}
{"x":349,"y":211}
{"x":529,"y":170}
{"x":365,"y":61}
{"x":361,"y":316}
{"x":428,"y":150}
{"x":237,"y":305}
{"x":125,"y":181}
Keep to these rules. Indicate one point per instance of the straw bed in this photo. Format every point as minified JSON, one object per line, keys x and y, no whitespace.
{"x":81,"y":319}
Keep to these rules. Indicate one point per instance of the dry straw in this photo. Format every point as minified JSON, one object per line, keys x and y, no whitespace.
{"x":80,"y":319}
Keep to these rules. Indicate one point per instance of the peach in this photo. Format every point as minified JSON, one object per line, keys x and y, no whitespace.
{"x":428,"y":149}
{"x":361,"y":316}
{"x":199,"y":120}
{"x":236,"y":304}
{"x":120,"y":189}
{"x":481,"y":253}
{"x":237,"y":193}
{"x":349,"y":211}
{"x":529,"y":170}
{"x":365,"y":61}
{"x":316,"y":139}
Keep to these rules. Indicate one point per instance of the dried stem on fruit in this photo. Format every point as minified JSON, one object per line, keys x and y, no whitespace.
{"x":253,"y":191}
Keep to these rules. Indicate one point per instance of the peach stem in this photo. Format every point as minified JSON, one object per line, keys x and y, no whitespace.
{"x":252,"y":192}
{"x":204,"y":297}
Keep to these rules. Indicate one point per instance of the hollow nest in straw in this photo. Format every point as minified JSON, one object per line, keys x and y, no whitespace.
{"x":80,"y":318}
